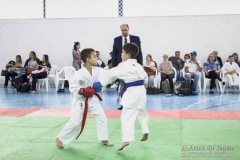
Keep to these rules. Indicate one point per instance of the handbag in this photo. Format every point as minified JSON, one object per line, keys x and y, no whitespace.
{"x":29,"y":70}
{"x":4,"y":73}
{"x":149,"y":71}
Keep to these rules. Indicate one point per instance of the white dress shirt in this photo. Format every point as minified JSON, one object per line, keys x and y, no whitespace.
{"x":123,"y":40}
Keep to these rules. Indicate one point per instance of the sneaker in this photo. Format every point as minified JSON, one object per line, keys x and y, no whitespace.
{"x":120,"y":108}
{"x":211,"y":92}
{"x":33,"y":92}
{"x":114,"y":86}
{"x":169,"y":95}
{"x":60,"y":90}
{"x":194,"y":92}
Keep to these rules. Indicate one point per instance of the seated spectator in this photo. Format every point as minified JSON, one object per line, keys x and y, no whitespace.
{"x":186,"y":57}
{"x":110,"y":61}
{"x":212,"y":69}
{"x":100,"y":63}
{"x":177,"y":63}
{"x":32,"y":62}
{"x":230,"y":70}
{"x":18,"y":62}
{"x":77,"y":61}
{"x":42,"y":72}
{"x":115,"y":83}
{"x":193,"y":70}
{"x":150,"y":69}
{"x":236,"y":59}
{"x":219,"y":59}
{"x":11,"y":69}
{"x":166,"y":70}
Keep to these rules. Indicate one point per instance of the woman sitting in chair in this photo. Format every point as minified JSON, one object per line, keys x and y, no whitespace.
{"x":166,"y":70}
{"x":150,"y":69}
{"x":212,"y":70}
{"x":42,"y":72}
{"x":11,"y":69}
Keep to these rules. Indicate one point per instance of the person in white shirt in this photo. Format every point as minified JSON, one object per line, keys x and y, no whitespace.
{"x":84,"y":100}
{"x":193,"y":70}
{"x":151,"y":66}
{"x":230,"y":70}
{"x":134,"y":98}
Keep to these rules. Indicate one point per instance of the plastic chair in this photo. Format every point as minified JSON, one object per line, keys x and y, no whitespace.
{"x":206,"y":81}
{"x":44,"y":81}
{"x":67,"y":72}
{"x":52,"y":74}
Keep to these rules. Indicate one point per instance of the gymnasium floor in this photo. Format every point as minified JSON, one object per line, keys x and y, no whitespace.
{"x":193,"y":127}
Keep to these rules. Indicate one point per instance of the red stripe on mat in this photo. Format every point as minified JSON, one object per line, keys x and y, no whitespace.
{"x":16,"y":111}
{"x":184,"y":114}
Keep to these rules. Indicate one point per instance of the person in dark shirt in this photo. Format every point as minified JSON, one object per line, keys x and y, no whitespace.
{"x":177,"y":63}
{"x":219,"y":59}
{"x":10,"y":67}
{"x":110,"y":61}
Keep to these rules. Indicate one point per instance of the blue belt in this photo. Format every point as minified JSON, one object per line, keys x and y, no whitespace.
{"x":135,"y":83}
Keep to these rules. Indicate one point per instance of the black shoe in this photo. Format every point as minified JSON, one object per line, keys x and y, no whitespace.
{"x":60,"y":90}
{"x":5,"y":86}
{"x":120,"y":108}
{"x":211,"y":92}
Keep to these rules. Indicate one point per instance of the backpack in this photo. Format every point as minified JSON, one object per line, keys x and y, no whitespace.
{"x":21,"y":84}
{"x":153,"y":90}
{"x":166,"y":86}
{"x":183,"y":88}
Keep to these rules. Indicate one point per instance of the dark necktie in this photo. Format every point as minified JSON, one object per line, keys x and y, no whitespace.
{"x":125,"y":40}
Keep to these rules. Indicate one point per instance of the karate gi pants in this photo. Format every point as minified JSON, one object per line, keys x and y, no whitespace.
{"x":71,"y":130}
{"x":128,"y":118}
{"x":232,"y":79}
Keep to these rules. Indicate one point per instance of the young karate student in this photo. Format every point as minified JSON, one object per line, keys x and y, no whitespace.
{"x":84,"y":100}
{"x":134,"y":98}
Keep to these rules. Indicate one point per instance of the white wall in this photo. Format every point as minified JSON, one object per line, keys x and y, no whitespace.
{"x":159,"y":35}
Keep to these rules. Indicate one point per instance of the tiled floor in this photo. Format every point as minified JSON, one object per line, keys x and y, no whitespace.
{"x":227,"y":101}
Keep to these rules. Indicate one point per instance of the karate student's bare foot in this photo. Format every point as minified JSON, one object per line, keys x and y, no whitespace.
{"x":124,"y":144}
{"x":144,"y":137}
{"x":59,"y":143}
{"x":107,"y":143}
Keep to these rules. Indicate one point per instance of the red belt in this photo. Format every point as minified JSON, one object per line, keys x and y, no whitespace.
{"x":85,"y":113}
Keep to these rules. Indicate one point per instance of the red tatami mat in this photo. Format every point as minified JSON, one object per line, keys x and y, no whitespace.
{"x":184,"y":114}
{"x":16,"y":111}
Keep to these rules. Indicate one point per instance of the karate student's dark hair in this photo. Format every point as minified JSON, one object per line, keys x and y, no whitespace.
{"x":230,"y":56}
{"x":86,"y":53}
{"x":132,"y":49}
{"x":75,"y":45}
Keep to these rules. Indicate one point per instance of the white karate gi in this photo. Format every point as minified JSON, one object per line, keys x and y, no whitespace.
{"x":82,"y":79}
{"x":133,"y":99}
{"x":231,"y":79}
